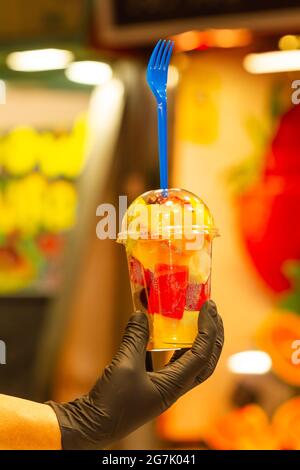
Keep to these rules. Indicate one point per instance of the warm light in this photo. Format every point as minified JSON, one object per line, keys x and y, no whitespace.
{"x":289,"y":42}
{"x":187,"y":41}
{"x":230,"y":37}
{"x":192,"y":40}
{"x":250,"y":362}
{"x":173,"y":76}
{"x":2,"y":92}
{"x":39,"y":60}
{"x":270,"y":62}
{"x":89,"y":72}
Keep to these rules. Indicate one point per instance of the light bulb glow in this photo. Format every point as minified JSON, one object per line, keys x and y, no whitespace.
{"x":39,"y":60}
{"x":173,"y":77}
{"x":230,"y":37}
{"x":271,"y":62}
{"x":289,"y":42}
{"x":187,"y":41}
{"x":89,"y":72}
{"x":250,"y":362}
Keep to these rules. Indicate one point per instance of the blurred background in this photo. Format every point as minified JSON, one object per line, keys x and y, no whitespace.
{"x":78,"y":128}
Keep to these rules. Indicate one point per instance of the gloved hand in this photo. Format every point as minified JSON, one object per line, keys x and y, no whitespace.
{"x":127,"y":396}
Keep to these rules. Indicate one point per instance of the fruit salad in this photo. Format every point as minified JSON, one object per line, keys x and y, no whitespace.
{"x":169,"y":277}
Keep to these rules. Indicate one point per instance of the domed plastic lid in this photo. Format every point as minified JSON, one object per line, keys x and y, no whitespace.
{"x":164,"y":214}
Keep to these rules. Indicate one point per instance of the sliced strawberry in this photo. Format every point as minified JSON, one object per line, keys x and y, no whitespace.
{"x":196,"y":296}
{"x":168,"y":290}
{"x":139,"y":275}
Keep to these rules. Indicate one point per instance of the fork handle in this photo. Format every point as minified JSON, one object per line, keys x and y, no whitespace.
{"x":163,"y":142}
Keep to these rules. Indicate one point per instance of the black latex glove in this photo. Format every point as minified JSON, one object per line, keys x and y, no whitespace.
{"x":127,"y":396}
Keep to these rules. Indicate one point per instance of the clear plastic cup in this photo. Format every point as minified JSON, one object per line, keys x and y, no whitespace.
{"x":168,"y":239}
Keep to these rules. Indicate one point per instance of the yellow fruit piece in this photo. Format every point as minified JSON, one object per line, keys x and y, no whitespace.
{"x":74,"y":157}
{"x":25,"y":198}
{"x":151,"y":252}
{"x":20,"y":151}
{"x":59,"y":207}
{"x":199,"y":266}
{"x":48,"y":156}
{"x":7,"y":217}
{"x":168,"y":219}
{"x":63,"y":155}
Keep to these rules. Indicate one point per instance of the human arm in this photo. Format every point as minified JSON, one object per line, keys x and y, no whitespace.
{"x":124,"y":398}
{"x":27,"y":425}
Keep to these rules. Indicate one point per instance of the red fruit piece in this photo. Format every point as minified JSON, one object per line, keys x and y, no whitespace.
{"x":196,"y":296}
{"x":51,"y":245}
{"x":270,"y":227}
{"x":139,"y":275}
{"x":267,"y":210}
{"x":284,"y":156}
{"x":168,"y":290}
{"x":148,"y":277}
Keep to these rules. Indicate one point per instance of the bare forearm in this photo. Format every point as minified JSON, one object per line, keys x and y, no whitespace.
{"x":27,"y":425}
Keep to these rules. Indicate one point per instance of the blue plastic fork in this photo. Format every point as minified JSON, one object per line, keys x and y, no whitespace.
{"x":157,"y":76}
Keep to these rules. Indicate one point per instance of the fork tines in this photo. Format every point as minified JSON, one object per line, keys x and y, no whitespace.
{"x":161,"y":55}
